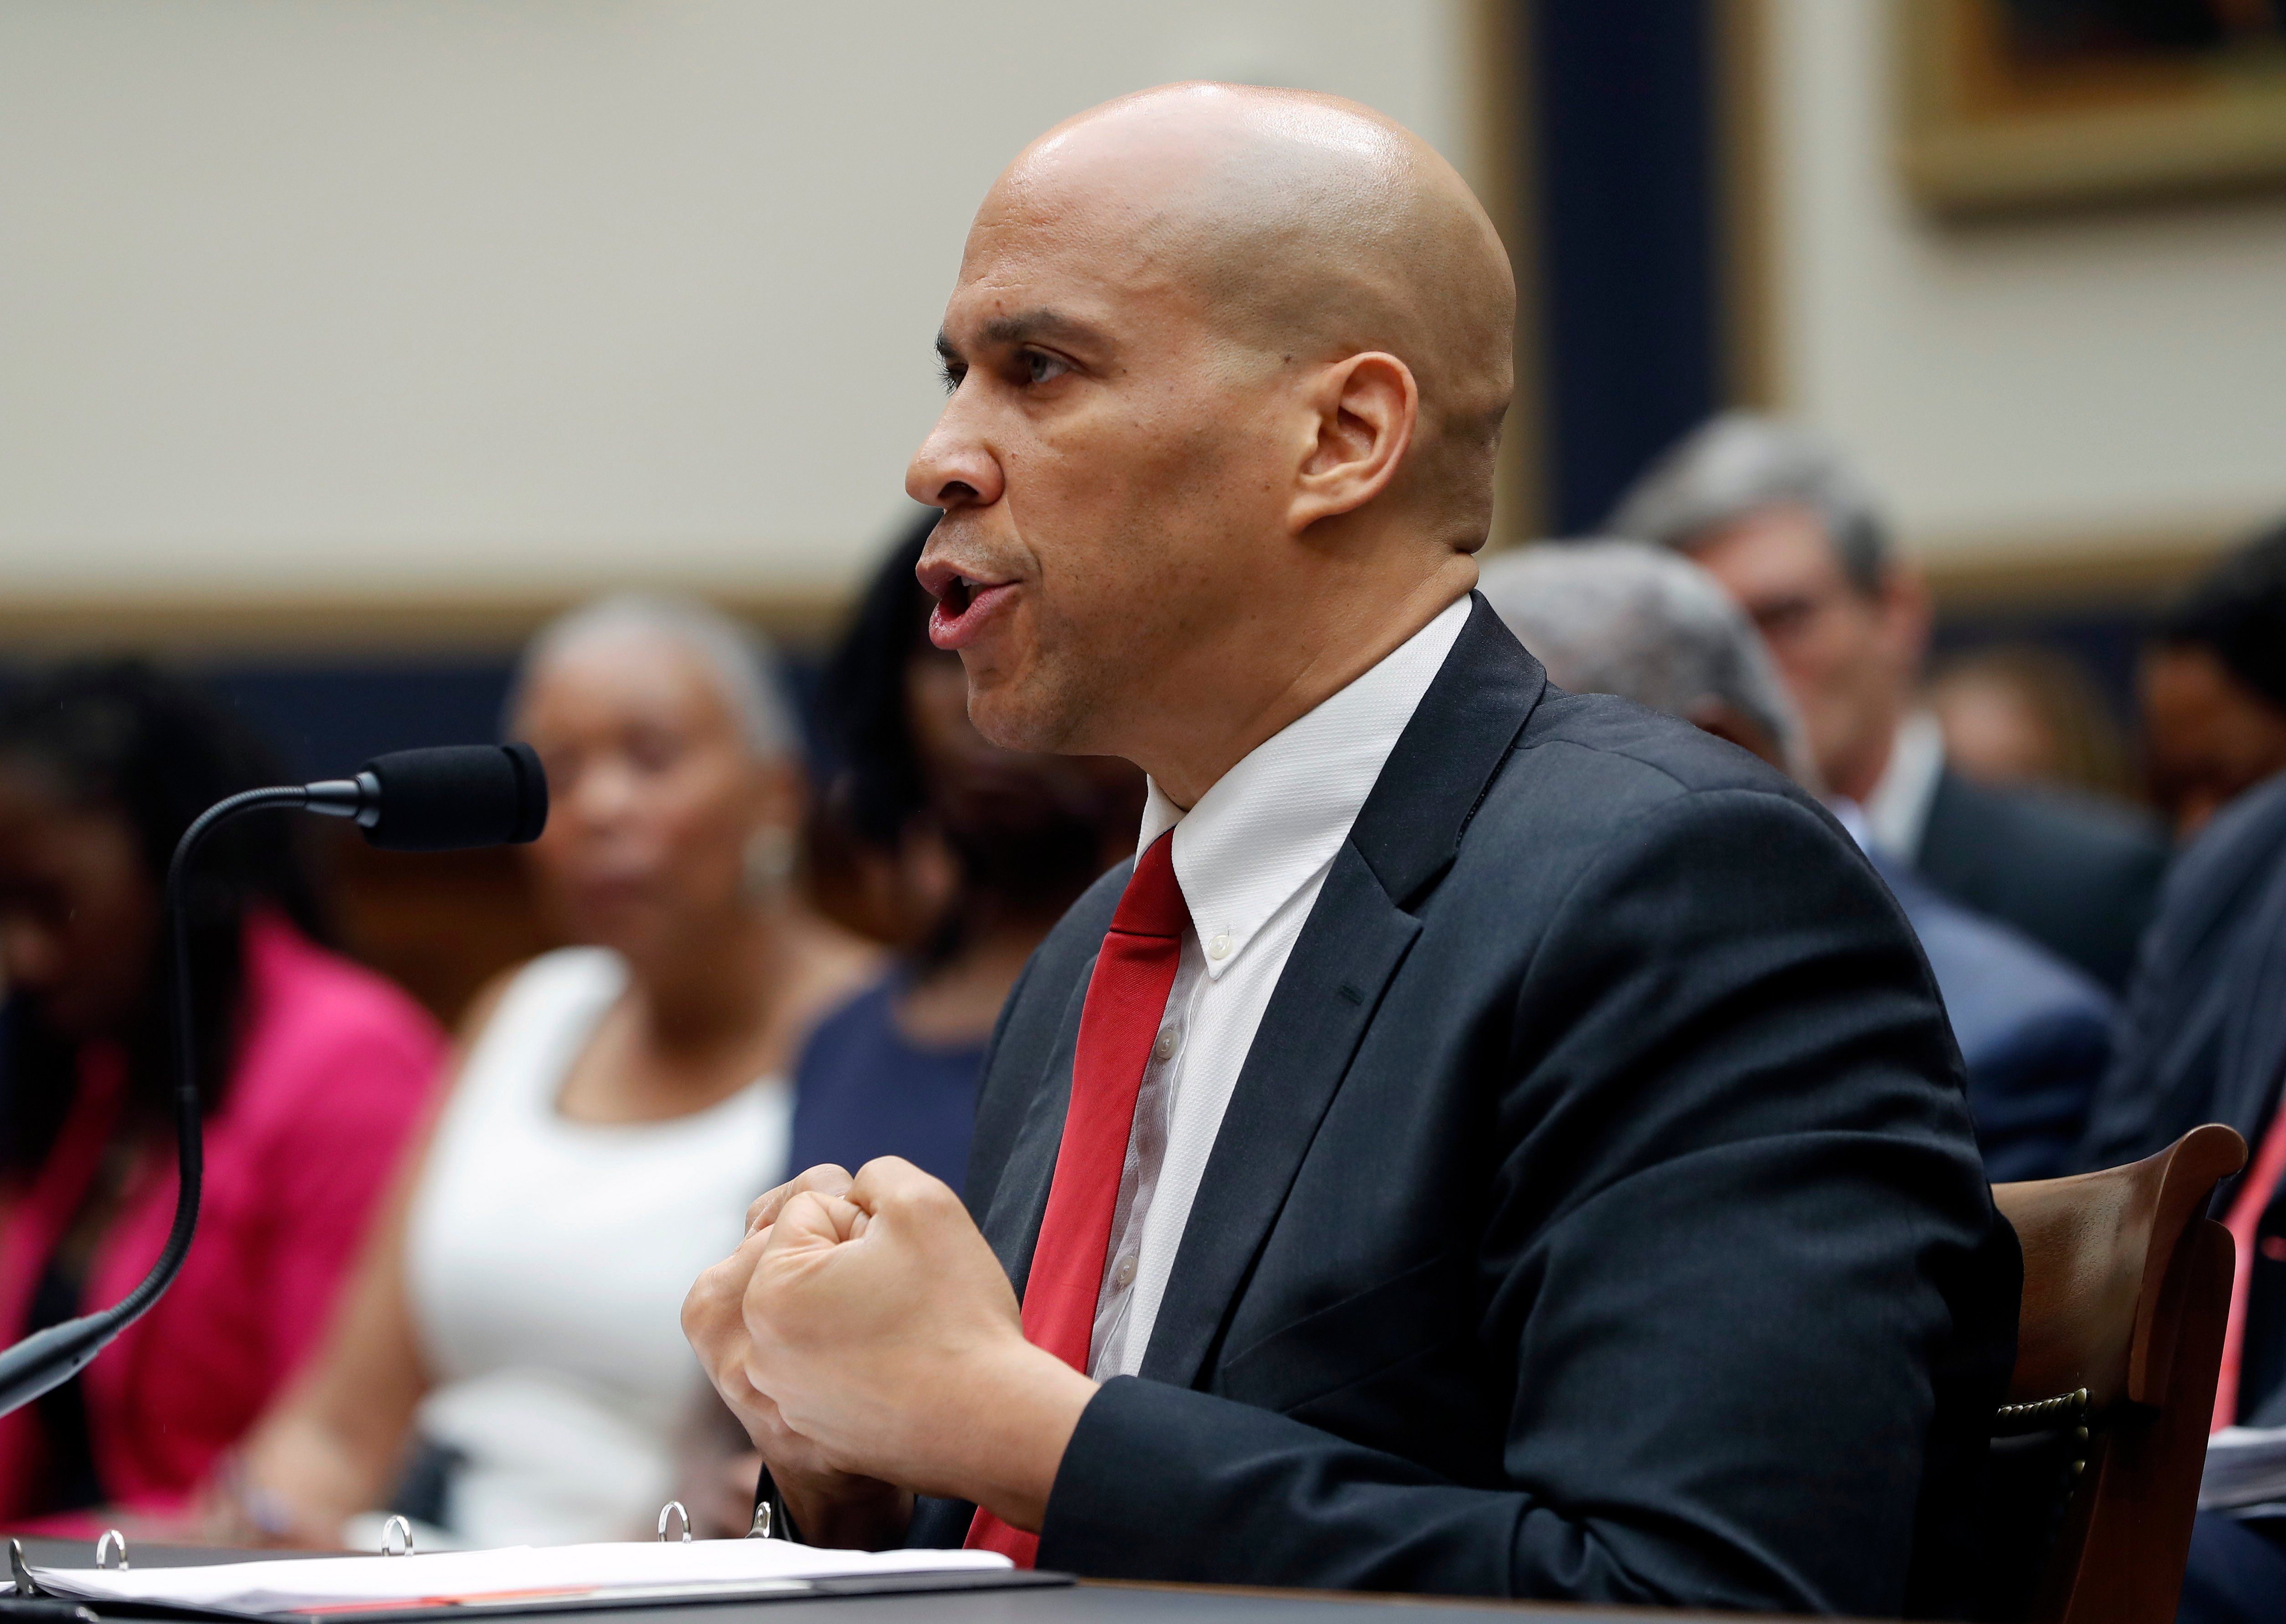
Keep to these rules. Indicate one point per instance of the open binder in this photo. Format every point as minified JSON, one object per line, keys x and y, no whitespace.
{"x":401,"y":1586}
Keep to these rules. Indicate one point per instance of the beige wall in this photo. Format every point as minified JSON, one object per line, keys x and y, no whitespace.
{"x":510,"y":296}
{"x":2061,"y":388}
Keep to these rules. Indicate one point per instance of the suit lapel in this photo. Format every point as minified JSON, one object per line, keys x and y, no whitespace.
{"x":1353,"y":944}
{"x":1012,"y":1221}
{"x":1357,"y":936}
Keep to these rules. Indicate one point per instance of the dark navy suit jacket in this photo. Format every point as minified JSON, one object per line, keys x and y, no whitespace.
{"x":2035,"y":1032}
{"x":1596,"y":1214}
{"x":2197,"y":1042}
{"x":2077,"y":875}
{"x":2204,"y":1040}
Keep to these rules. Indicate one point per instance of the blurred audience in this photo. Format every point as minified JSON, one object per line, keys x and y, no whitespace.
{"x":314,"y":1072}
{"x":2205,"y":1038}
{"x":1628,"y":619}
{"x":971,"y":852}
{"x":2213,"y":685}
{"x":2020,"y":712}
{"x":1794,"y":536}
{"x":614,"y":1107}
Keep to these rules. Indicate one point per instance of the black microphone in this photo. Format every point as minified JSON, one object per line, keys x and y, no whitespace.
{"x":446,"y":799}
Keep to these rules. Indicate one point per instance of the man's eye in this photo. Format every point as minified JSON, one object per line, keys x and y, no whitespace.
{"x":1041,"y":367}
{"x":1784,"y":617}
{"x":954,"y":371}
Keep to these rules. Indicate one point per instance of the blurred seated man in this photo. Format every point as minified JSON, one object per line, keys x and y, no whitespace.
{"x":1778,"y":517}
{"x":1491,"y":1140}
{"x":1624,"y":617}
{"x":2205,"y":1034}
{"x":2213,"y":685}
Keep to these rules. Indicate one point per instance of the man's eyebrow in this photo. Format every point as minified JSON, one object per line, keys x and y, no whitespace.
{"x":1026,"y":326}
{"x":1022,"y":328}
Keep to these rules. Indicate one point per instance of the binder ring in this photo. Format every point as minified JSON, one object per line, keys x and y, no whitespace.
{"x":396,"y":1538}
{"x":112,"y":1537}
{"x":674,"y":1508}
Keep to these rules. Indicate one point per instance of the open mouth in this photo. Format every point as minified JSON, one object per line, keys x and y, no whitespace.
{"x":965,"y":603}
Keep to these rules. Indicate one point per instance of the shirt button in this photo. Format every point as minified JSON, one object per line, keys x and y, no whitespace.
{"x":1123,"y":1276}
{"x":1219,"y":948}
{"x":1164,"y":1049}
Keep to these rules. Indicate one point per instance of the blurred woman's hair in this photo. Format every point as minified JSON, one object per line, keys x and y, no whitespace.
{"x":740,"y":659}
{"x":2237,"y":611}
{"x":1027,"y":832}
{"x":120,"y":738}
{"x":878,"y":786}
{"x":2074,"y":735}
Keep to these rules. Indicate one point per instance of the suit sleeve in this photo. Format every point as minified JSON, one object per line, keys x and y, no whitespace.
{"x":1742,"y":1295}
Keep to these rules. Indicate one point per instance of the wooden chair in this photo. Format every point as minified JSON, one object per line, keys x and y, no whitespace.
{"x":2097,"y":1454}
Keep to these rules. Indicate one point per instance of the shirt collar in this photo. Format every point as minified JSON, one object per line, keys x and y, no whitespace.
{"x":1273,"y":821}
{"x":1896,"y":813}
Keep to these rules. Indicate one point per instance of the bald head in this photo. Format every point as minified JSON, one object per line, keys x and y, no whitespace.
{"x":1298,"y":225}
{"x":1227,"y":369}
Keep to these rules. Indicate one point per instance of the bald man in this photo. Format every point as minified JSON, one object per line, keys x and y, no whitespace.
{"x":1490,"y":1140}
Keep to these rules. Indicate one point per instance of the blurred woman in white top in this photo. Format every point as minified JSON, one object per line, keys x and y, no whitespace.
{"x":509,"y":1364}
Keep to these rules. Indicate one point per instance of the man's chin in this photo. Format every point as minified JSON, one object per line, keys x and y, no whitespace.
{"x":1018,"y":713}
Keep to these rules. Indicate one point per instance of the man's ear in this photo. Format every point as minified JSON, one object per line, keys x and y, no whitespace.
{"x":1364,"y":411}
{"x":1909,"y":613}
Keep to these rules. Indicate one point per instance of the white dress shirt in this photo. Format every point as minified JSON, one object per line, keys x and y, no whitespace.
{"x":1897,"y":811}
{"x":1251,"y":857}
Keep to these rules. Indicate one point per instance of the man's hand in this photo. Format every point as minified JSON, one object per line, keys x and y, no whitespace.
{"x":882,"y":1328}
{"x":829,"y":1507}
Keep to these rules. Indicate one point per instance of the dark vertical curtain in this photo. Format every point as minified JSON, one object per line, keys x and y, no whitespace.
{"x":1621,"y":94}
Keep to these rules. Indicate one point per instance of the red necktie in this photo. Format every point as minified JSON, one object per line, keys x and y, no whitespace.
{"x":2243,"y":1219}
{"x":1126,"y":996}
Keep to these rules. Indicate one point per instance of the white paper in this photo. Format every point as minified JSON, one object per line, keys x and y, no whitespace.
{"x":316,"y":1583}
{"x":2245,"y":1465}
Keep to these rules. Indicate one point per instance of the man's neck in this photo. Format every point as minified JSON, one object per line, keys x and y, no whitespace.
{"x":1197,"y":744}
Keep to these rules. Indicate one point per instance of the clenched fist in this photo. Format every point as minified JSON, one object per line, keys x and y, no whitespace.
{"x":866,"y":1336}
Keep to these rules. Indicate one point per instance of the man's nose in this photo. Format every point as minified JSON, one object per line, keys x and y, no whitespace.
{"x":956,"y":465}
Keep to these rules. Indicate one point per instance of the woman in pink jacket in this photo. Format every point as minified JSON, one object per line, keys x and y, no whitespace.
{"x":316,"y":1073}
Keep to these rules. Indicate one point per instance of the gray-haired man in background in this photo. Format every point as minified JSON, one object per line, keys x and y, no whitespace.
{"x":1629,"y":619}
{"x":1779,"y":517}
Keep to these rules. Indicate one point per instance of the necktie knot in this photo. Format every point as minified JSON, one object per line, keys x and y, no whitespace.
{"x":1153,"y":903}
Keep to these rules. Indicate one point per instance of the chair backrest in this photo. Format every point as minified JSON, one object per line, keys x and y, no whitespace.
{"x":2126,"y":1292}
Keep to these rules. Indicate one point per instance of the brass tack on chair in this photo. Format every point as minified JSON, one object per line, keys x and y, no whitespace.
{"x":674,"y":1509}
{"x":396,"y":1538}
{"x":112,"y":1540}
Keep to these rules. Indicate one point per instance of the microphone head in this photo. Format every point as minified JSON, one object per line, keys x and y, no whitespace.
{"x":455,"y":796}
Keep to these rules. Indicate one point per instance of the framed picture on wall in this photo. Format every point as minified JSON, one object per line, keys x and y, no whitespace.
{"x":2009,"y":104}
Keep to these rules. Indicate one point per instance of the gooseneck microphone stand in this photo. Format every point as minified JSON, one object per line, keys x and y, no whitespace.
{"x":438,"y":800}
